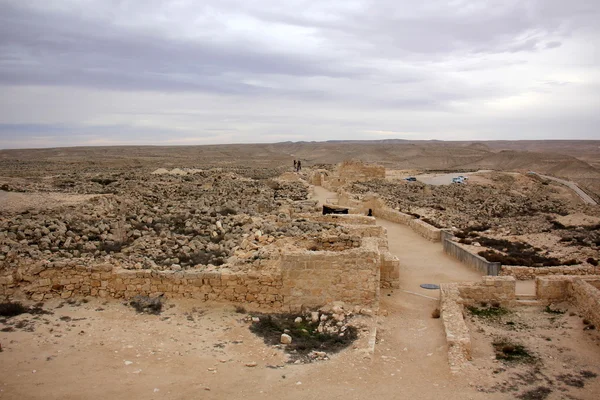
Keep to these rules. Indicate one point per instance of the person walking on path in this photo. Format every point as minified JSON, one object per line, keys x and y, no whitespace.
{"x":295,"y":166}
{"x":299,"y":166}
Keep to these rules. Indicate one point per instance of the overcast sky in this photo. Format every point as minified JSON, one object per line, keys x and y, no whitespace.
{"x":104,"y":72}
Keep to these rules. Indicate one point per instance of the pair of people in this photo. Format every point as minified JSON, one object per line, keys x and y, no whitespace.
{"x":297,"y":165}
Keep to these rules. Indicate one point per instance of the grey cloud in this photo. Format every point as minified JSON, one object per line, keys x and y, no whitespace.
{"x":399,"y":28}
{"x":54,"y":48}
{"x":385,"y":65}
{"x":553,"y":45}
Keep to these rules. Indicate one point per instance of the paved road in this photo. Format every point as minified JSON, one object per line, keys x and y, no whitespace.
{"x":443,"y":179}
{"x":584,"y":196}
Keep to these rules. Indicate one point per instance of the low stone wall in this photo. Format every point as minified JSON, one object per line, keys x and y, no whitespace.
{"x":362,"y":206}
{"x":453,"y":298}
{"x":334,"y":243}
{"x":472,"y":260}
{"x":457,"y":332}
{"x":380,"y":210}
{"x":64,"y":280}
{"x":349,"y":219}
{"x":557,"y":288}
{"x":426,"y":230}
{"x":582,"y":291}
{"x":299,"y":278}
{"x":587,"y":299}
{"x":499,"y":289}
{"x":552,"y":288}
{"x":527,"y":273}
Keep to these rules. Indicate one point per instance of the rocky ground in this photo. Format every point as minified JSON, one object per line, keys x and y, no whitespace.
{"x":162,"y":220}
{"x":507,"y":206}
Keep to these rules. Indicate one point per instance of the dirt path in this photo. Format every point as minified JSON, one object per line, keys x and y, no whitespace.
{"x":421,"y":261}
{"x":411,"y":352}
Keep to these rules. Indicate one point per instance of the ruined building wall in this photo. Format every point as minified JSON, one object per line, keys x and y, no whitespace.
{"x":298,"y":278}
{"x":526,"y":273}
{"x":582,"y":291}
{"x":64,"y":280}
{"x":357,"y":171}
{"x":317,"y":278}
{"x":380,"y":210}
{"x":499,"y":289}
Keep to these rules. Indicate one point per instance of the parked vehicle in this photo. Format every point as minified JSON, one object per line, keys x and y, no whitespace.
{"x":411,"y":179}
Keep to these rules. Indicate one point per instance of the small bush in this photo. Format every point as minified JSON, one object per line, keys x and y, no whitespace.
{"x":306,"y":336}
{"x":488,"y":312}
{"x":539,"y":393}
{"x":240,"y":310}
{"x":12,"y":309}
{"x":512,"y":352}
{"x":435,"y":313}
{"x":551,"y":310}
{"x":145,"y":304}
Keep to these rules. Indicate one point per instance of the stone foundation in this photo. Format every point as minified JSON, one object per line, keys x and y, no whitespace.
{"x":457,"y":332}
{"x":527,"y":273}
{"x":52,"y":280}
{"x":351,"y":270}
{"x":312,"y":279}
{"x":582,"y":291}
{"x":500,"y":289}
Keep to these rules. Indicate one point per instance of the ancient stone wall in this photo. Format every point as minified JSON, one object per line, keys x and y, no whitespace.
{"x":457,"y":332}
{"x":316,"y":278}
{"x":526,"y":273}
{"x":558,"y":287}
{"x":299,"y":278}
{"x":552,"y":288}
{"x":380,"y":210}
{"x":51,"y":280}
{"x":582,"y":291}
{"x":357,"y":171}
{"x":499,"y":289}
{"x":345,"y":219}
{"x":587,"y":299}
{"x":334,"y":243}
{"x":472,"y":260}
{"x":390,"y":271}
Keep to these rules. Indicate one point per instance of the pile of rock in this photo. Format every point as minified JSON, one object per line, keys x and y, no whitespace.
{"x":164,"y":221}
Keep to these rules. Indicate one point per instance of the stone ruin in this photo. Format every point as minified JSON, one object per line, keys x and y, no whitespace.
{"x":283,"y":256}
{"x":346,"y":172}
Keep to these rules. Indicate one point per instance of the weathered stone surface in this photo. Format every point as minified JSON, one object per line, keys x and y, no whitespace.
{"x":285,"y":339}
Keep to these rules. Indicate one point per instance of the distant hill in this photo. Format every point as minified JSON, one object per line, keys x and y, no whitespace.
{"x":574,"y":160}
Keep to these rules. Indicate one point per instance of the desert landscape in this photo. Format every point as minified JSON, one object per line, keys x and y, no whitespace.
{"x":212,"y":272}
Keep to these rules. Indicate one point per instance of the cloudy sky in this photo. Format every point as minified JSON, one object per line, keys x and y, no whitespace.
{"x":104,"y":72}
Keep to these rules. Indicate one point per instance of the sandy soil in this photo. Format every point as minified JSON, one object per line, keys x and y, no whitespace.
{"x":563,"y":354}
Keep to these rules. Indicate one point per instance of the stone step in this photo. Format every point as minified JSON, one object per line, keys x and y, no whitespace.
{"x":527,"y":296}
{"x":529,"y":302}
